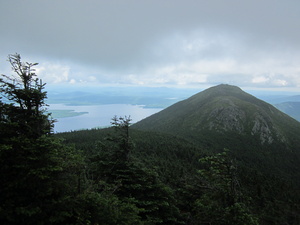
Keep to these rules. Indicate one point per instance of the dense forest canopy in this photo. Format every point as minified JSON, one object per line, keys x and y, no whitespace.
{"x":121,"y":175}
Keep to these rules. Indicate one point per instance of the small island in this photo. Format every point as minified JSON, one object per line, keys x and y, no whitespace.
{"x":65,"y":113}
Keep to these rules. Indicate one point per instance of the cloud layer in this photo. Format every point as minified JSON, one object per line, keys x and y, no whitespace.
{"x":246,"y":43}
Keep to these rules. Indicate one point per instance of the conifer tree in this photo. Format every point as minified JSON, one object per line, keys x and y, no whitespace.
{"x":25,"y":99}
{"x":37,"y":173}
{"x":222,"y":201}
{"x":133,"y":183}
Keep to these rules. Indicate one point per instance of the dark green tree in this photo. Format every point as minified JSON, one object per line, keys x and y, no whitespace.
{"x":24,"y":96}
{"x":112,"y":166}
{"x":222,"y":201}
{"x":121,"y":137}
{"x":38,"y":175}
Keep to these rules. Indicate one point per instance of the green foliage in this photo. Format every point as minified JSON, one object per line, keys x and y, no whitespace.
{"x":37,"y":180}
{"x":222,"y":200}
{"x":112,"y":168}
{"x":122,"y":138}
{"x":104,"y":208}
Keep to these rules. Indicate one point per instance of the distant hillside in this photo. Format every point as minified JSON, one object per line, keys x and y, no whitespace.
{"x":281,"y":99}
{"x":290,"y":108}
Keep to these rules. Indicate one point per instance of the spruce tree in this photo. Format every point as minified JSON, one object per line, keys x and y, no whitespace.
{"x":37,"y":173}
{"x":222,"y":201}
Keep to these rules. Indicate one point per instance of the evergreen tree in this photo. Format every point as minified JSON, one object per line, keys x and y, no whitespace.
{"x":25,"y":100}
{"x":112,"y":167}
{"x":122,"y":138}
{"x":222,"y":201}
{"x":38,"y":174}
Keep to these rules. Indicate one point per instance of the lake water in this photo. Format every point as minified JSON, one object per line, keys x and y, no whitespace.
{"x":98,"y":115}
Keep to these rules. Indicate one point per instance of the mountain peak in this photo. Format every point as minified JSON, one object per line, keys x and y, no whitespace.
{"x":222,"y":90}
{"x":226,"y":112}
{"x":225,"y":88}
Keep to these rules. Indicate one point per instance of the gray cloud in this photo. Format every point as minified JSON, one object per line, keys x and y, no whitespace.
{"x":157,"y":42}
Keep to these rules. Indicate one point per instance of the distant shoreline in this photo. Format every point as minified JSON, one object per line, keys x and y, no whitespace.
{"x":64,"y":113}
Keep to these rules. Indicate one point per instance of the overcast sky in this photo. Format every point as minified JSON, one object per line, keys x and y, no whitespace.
{"x":182,"y":43}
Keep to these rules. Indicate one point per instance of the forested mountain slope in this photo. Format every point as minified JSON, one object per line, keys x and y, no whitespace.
{"x":225,"y":111}
{"x":220,"y":188}
{"x":224,"y":116}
